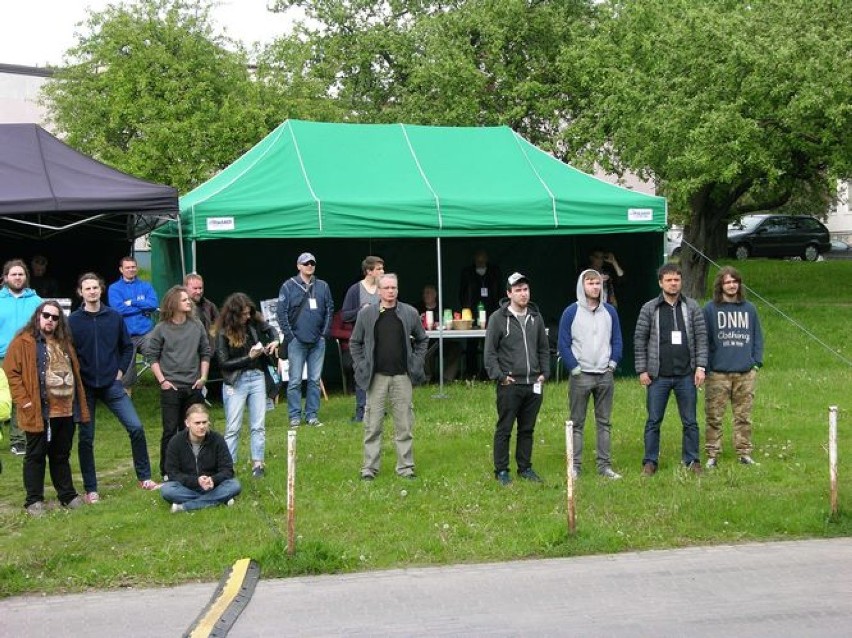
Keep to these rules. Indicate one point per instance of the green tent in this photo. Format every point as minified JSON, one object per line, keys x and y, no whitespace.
{"x":342,"y":191}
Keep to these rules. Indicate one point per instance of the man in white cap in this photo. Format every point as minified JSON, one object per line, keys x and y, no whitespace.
{"x":305,"y":309}
{"x":517,"y":358}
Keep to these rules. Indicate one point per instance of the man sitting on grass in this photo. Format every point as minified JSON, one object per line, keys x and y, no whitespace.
{"x":199,"y":466}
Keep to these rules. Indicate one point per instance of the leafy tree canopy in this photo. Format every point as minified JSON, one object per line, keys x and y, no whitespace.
{"x":151,"y":90}
{"x":731,"y":106}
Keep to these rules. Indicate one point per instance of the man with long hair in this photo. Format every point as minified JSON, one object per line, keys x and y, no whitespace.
{"x":104,"y":348}
{"x":735,"y":345}
{"x":17,"y":303}
{"x":44,"y":377}
{"x":180,"y":359}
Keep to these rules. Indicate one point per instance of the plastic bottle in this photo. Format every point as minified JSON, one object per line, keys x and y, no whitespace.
{"x":480,"y":315}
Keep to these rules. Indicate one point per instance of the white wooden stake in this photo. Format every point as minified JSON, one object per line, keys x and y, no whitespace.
{"x":832,"y":456}
{"x":291,"y":492}
{"x":569,"y":473}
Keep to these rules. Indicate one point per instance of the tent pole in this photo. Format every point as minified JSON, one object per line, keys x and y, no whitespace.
{"x":180,"y":245}
{"x":440,"y":319}
{"x":194,"y":257}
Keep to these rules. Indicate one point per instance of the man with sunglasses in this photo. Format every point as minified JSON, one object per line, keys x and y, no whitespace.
{"x":305,"y":310}
{"x":17,"y":303}
{"x":47,"y":388}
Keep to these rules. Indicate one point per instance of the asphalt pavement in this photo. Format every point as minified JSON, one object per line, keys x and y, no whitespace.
{"x":797,"y":588}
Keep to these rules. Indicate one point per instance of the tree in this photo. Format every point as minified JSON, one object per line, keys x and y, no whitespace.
{"x":149,"y":89}
{"x":730,"y":106}
{"x":465,"y":62}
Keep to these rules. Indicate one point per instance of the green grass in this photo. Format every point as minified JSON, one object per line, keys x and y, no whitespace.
{"x":455,"y":512}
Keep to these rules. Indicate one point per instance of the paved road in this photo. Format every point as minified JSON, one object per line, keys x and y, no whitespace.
{"x":800,"y":588}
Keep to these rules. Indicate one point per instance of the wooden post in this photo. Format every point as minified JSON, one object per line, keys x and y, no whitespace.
{"x":291,"y":492}
{"x":832,"y":456}
{"x":569,"y":473}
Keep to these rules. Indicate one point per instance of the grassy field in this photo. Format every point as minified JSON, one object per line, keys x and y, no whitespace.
{"x":455,"y":512}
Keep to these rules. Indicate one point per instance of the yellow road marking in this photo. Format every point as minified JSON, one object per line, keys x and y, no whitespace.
{"x":229,"y":592}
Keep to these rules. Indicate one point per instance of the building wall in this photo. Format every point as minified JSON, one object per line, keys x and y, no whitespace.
{"x":19,"y":93}
{"x":839,"y":220}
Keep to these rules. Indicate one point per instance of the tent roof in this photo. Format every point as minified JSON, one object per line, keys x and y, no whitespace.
{"x":310,"y":179}
{"x":47,"y":187}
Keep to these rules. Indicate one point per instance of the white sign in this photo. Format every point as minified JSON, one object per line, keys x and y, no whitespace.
{"x":220,"y":224}
{"x":640,"y":215}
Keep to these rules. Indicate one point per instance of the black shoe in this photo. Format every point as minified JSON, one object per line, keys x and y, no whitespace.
{"x":530,"y":475}
{"x":368,"y":477}
{"x":17,"y":449}
{"x":504,"y":477}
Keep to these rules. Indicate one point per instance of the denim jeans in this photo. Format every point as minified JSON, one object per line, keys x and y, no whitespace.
{"x":196,"y":499}
{"x":173,"y":406}
{"x":658,"y":397}
{"x":250,"y":389}
{"x":116,"y":399}
{"x":298,"y":354}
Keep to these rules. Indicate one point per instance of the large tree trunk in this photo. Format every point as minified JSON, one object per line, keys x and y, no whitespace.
{"x":707,"y":232}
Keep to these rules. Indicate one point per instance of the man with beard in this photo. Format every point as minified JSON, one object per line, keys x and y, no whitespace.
{"x":47,"y":389}
{"x":17,"y":303}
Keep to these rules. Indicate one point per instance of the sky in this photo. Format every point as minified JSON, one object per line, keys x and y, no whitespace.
{"x":38,"y":32}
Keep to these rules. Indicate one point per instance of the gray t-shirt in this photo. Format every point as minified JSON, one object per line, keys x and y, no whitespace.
{"x":179,"y":348}
{"x":365,"y":297}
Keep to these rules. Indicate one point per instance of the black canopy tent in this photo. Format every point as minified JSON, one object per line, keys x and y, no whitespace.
{"x":81,"y":214}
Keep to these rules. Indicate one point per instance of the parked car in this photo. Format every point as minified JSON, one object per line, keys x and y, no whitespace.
{"x":778,"y":236}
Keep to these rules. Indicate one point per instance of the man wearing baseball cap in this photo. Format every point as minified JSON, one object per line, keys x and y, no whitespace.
{"x":517,"y":357}
{"x":305,"y":309}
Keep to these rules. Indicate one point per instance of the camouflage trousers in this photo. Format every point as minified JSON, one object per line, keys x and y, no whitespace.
{"x":736,"y":388}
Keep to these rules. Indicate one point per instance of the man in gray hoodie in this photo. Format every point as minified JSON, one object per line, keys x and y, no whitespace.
{"x":517,"y":357}
{"x":590,"y":347}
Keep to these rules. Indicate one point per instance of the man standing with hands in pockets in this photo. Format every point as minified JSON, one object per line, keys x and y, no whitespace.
{"x":517,"y":357}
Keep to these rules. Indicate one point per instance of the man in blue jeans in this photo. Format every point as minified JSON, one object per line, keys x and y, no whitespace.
{"x":199,"y":465}
{"x":104,"y":349}
{"x":670,"y":346}
{"x":305,"y":310}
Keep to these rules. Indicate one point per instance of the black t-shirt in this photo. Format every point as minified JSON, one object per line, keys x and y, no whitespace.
{"x":674,"y":358}
{"x":390,"y":339}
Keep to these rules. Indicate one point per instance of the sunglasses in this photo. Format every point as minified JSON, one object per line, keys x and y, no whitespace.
{"x":47,"y":315}
{"x":310,"y":263}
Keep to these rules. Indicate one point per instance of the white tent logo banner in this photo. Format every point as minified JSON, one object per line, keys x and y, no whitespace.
{"x":220,"y":224}
{"x":640,"y":215}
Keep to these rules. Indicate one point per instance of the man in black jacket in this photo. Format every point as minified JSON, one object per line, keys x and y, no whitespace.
{"x":517,"y":357}
{"x":199,"y":466}
{"x":105,"y":349}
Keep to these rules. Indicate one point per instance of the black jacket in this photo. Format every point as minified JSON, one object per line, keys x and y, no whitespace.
{"x":213,"y":460}
{"x":233,"y":360}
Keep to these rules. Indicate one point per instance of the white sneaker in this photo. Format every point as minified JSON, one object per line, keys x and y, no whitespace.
{"x":575,"y":472}
{"x":92,"y":497}
{"x":711,"y":464}
{"x":177,"y":507}
{"x":609,"y":473}
{"x":230,"y":502}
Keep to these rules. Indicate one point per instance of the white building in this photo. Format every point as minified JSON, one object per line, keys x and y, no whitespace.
{"x":839,"y":220}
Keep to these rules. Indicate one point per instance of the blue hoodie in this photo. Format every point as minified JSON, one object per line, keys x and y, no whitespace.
{"x":143,"y":301}
{"x":103,"y":345}
{"x":14,"y":314}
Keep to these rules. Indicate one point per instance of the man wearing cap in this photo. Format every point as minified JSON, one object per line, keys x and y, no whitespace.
{"x":517,"y":357}
{"x":305,"y":309}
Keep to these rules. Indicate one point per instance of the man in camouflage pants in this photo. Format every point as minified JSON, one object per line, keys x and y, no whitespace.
{"x":735,"y":343}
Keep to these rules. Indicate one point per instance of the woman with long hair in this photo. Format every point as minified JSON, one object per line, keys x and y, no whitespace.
{"x":243,"y":342}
